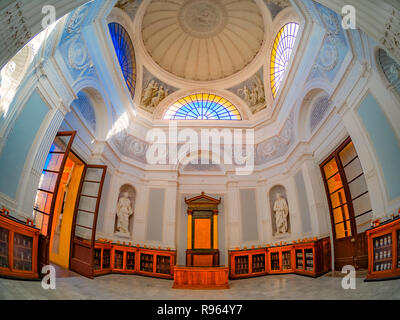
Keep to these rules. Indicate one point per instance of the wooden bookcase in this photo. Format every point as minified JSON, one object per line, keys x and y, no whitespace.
{"x":280,"y":259}
{"x":310,"y":259}
{"x":120,"y":258}
{"x":247,"y":263}
{"x":383,"y":251}
{"x":102,"y":258}
{"x":156,"y":263}
{"x":18,"y":248}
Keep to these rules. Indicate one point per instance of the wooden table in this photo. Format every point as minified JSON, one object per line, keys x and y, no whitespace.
{"x":201,"y":277}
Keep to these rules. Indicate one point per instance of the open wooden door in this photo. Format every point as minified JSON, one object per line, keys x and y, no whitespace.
{"x":349,"y":204}
{"x":85,"y":219}
{"x":47,"y":191}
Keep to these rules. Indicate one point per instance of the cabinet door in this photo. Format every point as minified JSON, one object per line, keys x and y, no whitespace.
{"x":85,"y":219}
{"x":47,"y":191}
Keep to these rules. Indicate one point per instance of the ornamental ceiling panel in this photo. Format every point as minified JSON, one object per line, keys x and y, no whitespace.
{"x":202,"y":39}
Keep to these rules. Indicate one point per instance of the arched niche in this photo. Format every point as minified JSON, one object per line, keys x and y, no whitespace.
{"x":279,"y":206}
{"x":124,"y":211}
{"x":314,"y":107}
{"x":101,"y":106}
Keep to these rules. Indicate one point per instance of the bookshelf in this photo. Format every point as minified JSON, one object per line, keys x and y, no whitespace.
{"x":310,"y":258}
{"x":102,"y":258}
{"x":128,"y":259}
{"x":247,"y":263}
{"x":18,"y":247}
{"x":383,"y":250}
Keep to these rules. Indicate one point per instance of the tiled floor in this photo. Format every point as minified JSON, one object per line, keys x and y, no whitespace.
{"x":72,"y":286}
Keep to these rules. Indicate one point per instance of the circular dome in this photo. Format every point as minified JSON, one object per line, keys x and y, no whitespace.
{"x":202,"y":39}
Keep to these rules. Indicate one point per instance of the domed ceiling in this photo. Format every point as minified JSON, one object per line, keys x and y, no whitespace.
{"x":202,"y":39}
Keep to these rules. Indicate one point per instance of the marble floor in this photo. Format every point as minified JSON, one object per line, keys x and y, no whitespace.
{"x":70,"y":285}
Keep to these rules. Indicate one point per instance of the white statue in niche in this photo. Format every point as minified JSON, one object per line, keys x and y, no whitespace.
{"x":281,"y":213}
{"x":124,"y":211}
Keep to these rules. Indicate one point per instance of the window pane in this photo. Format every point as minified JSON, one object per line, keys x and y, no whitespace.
{"x":202,"y":106}
{"x":361,"y":204}
{"x":338,"y":198}
{"x":43,"y":201}
{"x":48,"y":181}
{"x":334,"y":183}
{"x":85,"y":219}
{"x":90,"y":188}
{"x":341,"y":213}
{"x":347,"y":154}
{"x":83,"y":233}
{"x":94,"y":174}
{"x":358,"y":186}
{"x":60,"y":143}
{"x":343,"y":230}
{"x":41,"y":221}
{"x":54,"y":161}
{"x":87,"y":204}
{"x":353,"y":170}
{"x":340,"y":233}
{"x":330,"y":168}
{"x":281,"y":51}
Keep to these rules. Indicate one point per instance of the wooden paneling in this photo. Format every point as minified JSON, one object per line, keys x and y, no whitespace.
{"x":201,"y":257}
{"x":201,"y":277}
{"x":202,"y":234}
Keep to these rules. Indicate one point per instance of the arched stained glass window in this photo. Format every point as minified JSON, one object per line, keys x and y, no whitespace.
{"x":202,"y":106}
{"x":281,"y":51}
{"x":126,"y":55}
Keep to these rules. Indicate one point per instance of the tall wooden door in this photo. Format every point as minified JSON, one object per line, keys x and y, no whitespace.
{"x":47,"y":191}
{"x":85,"y":219}
{"x":349,"y":204}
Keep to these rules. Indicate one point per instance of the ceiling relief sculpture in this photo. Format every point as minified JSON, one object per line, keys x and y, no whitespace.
{"x":202,"y":39}
{"x":153,"y":92}
{"x":276,"y":6}
{"x":334,"y":48}
{"x":73,"y":48}
{"x":252,"y":91}
{"x":129,"y":6}
{"x":390,"y":68}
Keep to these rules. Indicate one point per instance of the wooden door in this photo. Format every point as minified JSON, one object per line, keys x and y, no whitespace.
{"x":349,"y":205}
{"x":47,"y":191}
{"x":85,"y":220}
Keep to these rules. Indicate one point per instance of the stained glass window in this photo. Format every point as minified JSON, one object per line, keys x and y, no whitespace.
{"x":281,"y":51}
{"x":126,"y":55}
{"x":202,"y":106}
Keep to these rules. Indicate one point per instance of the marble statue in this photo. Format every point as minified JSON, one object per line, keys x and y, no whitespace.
{"x":124,"y":211}
{"x":281,"y":214}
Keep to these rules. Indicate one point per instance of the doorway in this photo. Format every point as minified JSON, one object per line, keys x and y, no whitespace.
{"x":60,"y":237}
{"x":349,"y":205}
{"x":66,"y":207}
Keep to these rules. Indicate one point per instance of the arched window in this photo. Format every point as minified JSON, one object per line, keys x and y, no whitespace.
{"x":202,"y":106}
{"x":281,"y":51}
{"x":125,"y":53}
